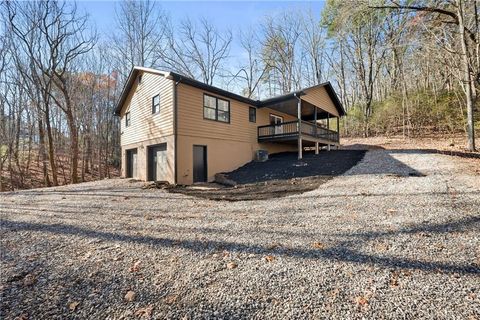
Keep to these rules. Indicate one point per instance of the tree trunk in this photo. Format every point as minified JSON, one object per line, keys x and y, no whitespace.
{"x":73,"y":145}
{"x":51,"y":151}
{"x":42,"y":154}
{"x":468,"y":78}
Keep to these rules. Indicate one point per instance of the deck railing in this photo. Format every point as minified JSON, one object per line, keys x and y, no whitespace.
{"x":316,"y":131}
{"x":284,"y":129}
{"x":290,"y":129}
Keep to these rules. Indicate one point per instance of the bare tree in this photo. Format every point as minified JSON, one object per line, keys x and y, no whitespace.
{"x":281,"y":34}
{"x":313,"y":43}
{"x":61,"y":35}
{"x":197,"y":50}
{"x":141,"y":32}
{"x":252,"y":71}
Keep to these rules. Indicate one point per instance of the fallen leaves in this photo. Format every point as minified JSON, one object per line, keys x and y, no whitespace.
{"x":394,"y":279}
{"x":361,"y":300}
{"x":171,"y":299}
{"x":29,"y":280}
{"x":381,"y":247}
{"x":318,"y":245}
{"x":135,"y":267}
{"x":269,"y":258}
{"x":231,"y":265}
{"x":73,"y":305}
{"x":391,"y":211}
{"x":130,"y":296}
{"x":145,"y":312}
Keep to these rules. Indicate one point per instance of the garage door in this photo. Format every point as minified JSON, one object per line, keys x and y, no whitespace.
{"x":157,"y":162}
{"x":131,"y":163}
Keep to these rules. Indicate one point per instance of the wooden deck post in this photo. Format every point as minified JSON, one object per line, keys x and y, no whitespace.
{"x":299,"y":114}
{"x":316,"y":147}
{"x":328,"y":147}
{"x":338,"y":129}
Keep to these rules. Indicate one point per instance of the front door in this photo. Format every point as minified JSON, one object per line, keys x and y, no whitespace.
{"x":199,"y":164}
{"x":131,"y":163}
{"x":277,"y":121}
{"x":157,"y":162}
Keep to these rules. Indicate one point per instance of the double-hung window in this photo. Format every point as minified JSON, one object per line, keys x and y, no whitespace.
{"x":127,"y":119}
{"x":156,"y":104}
{"x":252,"y":114}
{"x":216,"y":109}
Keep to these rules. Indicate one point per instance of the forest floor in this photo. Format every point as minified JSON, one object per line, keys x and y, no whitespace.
{"x":30,"y":175}
{"x":373,"y":242}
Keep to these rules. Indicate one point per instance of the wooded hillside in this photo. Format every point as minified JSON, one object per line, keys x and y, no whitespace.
{"x":399,"y":67}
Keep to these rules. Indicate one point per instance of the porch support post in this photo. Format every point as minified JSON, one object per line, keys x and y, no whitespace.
{"x":316,"y":147}
{"x":338,"y":129}
{"x":328,"y":121}
{"x":328,"y":147}
{"x":299,"y":115}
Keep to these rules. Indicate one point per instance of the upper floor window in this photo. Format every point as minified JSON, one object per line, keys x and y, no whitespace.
{"x":127,"y":119}
{"x":252,"y":114}
{"x":156,"y":104}
{"x":216,"y":109}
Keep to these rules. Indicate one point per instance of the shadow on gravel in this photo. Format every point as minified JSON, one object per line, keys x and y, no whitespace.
{"x":342,"y":251}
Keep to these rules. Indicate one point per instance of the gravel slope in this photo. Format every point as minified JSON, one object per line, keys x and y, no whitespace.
{"x":381,"y":241}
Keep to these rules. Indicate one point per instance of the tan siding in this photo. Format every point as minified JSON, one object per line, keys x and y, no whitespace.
{"x":320,"y":98}
{"x":192,"y":123}
{"x":229,"y":145}
{"x":222,"y":155}
{"x":144,"y":124}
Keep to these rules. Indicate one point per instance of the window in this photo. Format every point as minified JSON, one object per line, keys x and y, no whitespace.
{"x":252,"y":114}
{"x":156,"y":104}
{"x":216,"y":109}
{"x":127,"y":119}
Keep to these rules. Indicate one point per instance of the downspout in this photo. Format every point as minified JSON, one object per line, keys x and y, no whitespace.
{"x":299,"y":115}
{"x":175,"y":132}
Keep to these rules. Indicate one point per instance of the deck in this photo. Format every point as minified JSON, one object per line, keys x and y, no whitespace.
{"x":289,"y":131}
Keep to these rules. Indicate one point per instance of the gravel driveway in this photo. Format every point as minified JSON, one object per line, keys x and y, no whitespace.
{"x":376,"y":242}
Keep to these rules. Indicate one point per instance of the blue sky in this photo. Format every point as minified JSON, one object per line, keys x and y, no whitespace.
{"x":224,"y":14}
{"x":233,"y":15}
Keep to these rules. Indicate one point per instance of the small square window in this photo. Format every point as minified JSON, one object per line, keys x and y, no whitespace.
{"x":156,"y":104}
{"x":127,"y":119}
{"x":252,"y":114}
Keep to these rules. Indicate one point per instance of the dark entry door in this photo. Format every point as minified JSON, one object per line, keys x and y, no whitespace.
{"x":131,"y":164}
{"x":157,"y":162}
{"x":199,"y":164}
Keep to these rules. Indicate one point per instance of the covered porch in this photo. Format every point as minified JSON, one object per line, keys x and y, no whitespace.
{"x":317,"y":112}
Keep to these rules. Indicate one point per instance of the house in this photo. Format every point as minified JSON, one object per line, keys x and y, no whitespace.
{"x":180,"y":130}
